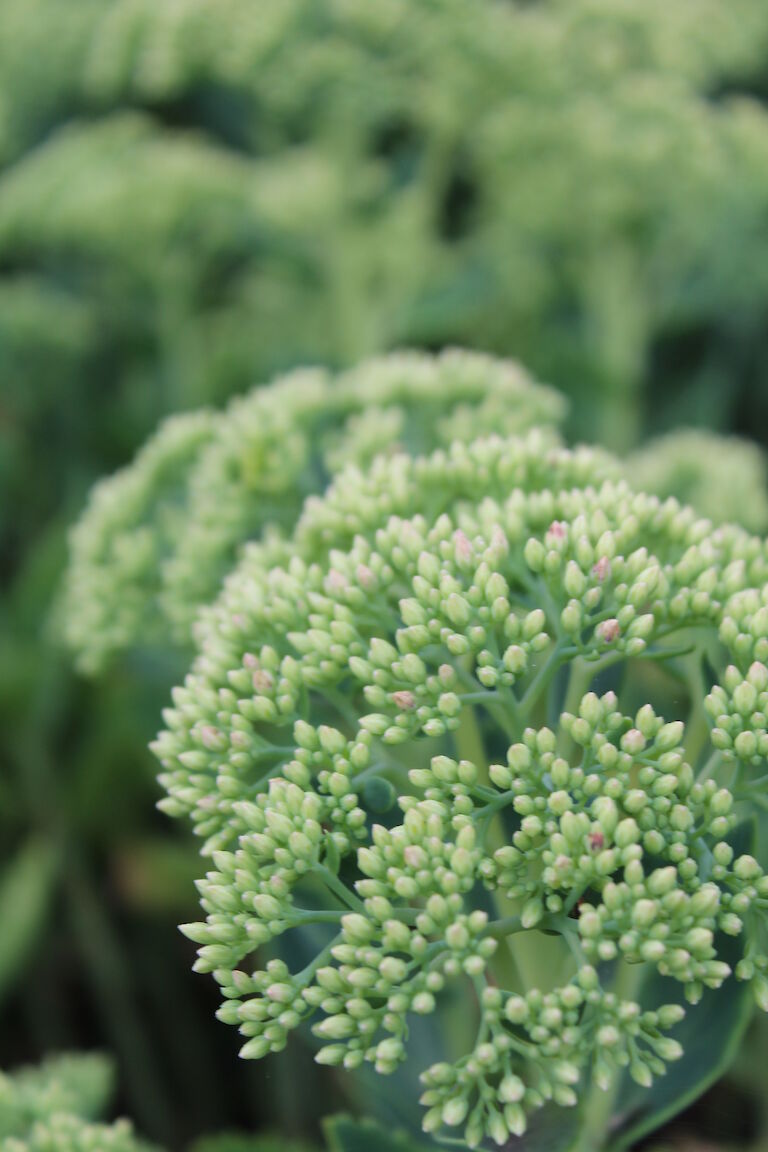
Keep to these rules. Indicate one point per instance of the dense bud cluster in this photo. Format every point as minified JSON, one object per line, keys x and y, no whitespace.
{"x":158,"y":538}
{"x":723,"y":477}
{"x":738,"y":710}
{"x":549,"y":1030}
{"x":744,"y":629}
{"x":409,"y":730}
{"x":241,"y":677}
{"x":50,"y":1108}
{"x":63,"y":1133}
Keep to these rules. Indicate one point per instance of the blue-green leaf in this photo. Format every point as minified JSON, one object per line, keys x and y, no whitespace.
{"x":241,"y":1142}
{"x":345,"y":1134}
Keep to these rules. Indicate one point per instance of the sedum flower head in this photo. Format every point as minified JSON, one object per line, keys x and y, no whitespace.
{"x":272,"y":594}
{"x":64,"y":1133}
{"x":157,"y":539}
{"x":724,"y":477}
{"x":462,"y":714}
{"x":51,"y":1108}
{"x":79,"y":1085}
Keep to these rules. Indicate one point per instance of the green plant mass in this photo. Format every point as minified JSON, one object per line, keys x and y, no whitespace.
{"x":197,"y":195}
{"x":450,"y":318}
{"x":158,"y":538}
{"x":51,"y":1108}
{"x":480,"y":716}
{"x":469,"y":733}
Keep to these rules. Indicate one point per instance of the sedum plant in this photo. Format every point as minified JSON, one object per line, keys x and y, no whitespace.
{"x":64,"y":1133}
{"x":724,"y":477}
{"x":195,"y":194}
{"x":488,"y":720}
{"x":158,"y":538}
{"x":51,"y":1108}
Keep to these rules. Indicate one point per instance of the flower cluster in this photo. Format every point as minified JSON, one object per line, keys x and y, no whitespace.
{"x":738,"y":709}
{"x":50,"y":1108}
{"x":158,"y":538}
{"x":64,"y":1133}
{"x":723,"y":477}
{"x":181,"y":253}
{"x":240,"y":677}
{"x":432,"y":729}
{"x":549,"y":1029}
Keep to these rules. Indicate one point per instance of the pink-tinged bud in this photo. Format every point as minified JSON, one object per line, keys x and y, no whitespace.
{"x":210,"y":736}
{"x":413,"y":856}
{"x":335,"y":581}
{"x":499,"y":539}
{"x":263,"y":682}
{"x":280,"y":993}
{"x":633,"y":741}
{"x":602,"y":569}
{"x":596,"y":842}
{"x":365,"y":576}
{"x":609,"y":631}
{"x":239,"y":621}
{"x":463,"y":547}
{"x":404,"y":699}
{"x":558,"y":529}
{"x":250,"y":661}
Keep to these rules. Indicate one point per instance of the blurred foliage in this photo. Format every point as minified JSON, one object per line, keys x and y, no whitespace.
{"x":54,"y":1107}
{"x":198,"y":194}
{"x":723,"y":477}
{"x":25,"y":891}
{"x":51,"y":1107}
{"x":157,"y":539}
{"x":194,"y":195}
{"x":235,"y":1142}
{"x":78,"y":1085}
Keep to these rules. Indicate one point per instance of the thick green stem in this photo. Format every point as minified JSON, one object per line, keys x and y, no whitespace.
{"x":469,"y":743}
{"x":580,"y":677}
{"x":469,"y":746}
{"x":541,"y":680}
{"x":340,"y":890}
{"x":710,"y":766}
{"x":696,"y":727}
{"x":600,"y":1102}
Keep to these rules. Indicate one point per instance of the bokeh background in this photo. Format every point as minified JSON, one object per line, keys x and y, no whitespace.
{"x":196,"y":195}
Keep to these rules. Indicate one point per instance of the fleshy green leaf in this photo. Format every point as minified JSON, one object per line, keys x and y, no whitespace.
{"x":345,"y":1134}
{"x":26,"y":887}
{"x":240,"y":1142}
